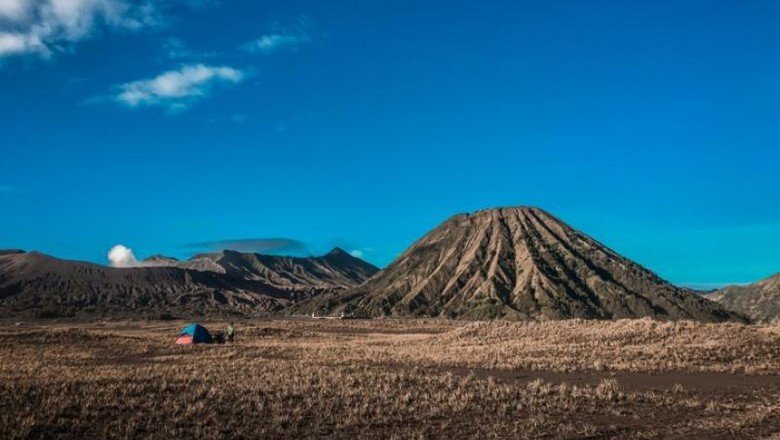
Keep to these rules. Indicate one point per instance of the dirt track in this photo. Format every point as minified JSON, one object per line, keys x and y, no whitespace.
{"x":716,"y":383}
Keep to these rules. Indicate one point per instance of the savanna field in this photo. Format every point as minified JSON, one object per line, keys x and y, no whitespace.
{"x":301,"y":378}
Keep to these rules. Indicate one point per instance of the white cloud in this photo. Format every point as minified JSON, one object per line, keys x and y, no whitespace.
{"x":177,"y":88}
{"x":121,"y":256}
{"x":281,"y":38}
{"x":176,"y":49}
{"x":44,"y":27}
{"x":16,"y":43}
{"x":271,"y":42}
{"x":14,"y":9}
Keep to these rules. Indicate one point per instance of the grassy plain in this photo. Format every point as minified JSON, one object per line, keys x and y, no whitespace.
{"x":392,"y":379}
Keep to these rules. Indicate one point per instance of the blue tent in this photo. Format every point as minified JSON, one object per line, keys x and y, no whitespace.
{"x":194,"y":334}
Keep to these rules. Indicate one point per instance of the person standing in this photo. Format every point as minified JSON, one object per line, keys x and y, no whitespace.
{"x":230,"y":332}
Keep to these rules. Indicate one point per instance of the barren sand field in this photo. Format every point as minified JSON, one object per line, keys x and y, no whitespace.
{"x":301,"y":378}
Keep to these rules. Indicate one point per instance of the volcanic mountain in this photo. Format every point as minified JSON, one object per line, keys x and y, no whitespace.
{"x":759,"y":301}
{"x":337,"y":269}
{"x":227,"y":281}
{"x":515,"y":263}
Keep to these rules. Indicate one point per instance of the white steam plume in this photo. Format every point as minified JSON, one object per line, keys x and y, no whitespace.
{"x":121,"y":256}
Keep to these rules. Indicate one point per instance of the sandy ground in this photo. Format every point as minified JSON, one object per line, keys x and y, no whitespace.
{"x":303,"y":378}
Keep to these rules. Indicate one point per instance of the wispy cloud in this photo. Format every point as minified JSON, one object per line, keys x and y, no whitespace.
{"x":272,"y":42}
{"x":176,"y":89}
{"x":357,"y":253}
{"x":176,"y":49}
{"x":45,"y":27}
{"x":7,"y":189}
{"x":281,"y":37}
{"x":261,"y":245}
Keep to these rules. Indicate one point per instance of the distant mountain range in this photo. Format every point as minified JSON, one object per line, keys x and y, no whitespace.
{"x":515,"y":263}
{"x":510,"y":263}
{"x":759,"y":301}
{"x":225,"y":282}
{"x":337,"y":269}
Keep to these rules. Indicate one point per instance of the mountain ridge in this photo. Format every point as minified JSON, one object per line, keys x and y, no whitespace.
{"x":760,"y":300}
{"x":244,"y":283}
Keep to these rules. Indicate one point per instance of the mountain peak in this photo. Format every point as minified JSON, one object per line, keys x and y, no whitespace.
{"x":501,"y":213}
{"x":509,"y":209}
{"x":759,"y":301}
{"x":11,"y":251}
{"x":336,"y":252}
{"x":159,"y":258}
{"x":520,"y":263}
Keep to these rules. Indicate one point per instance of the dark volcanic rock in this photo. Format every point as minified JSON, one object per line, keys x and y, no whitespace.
{"x":516,"y":263}
{"x":239,"y":283}
{"x":337,"y":269}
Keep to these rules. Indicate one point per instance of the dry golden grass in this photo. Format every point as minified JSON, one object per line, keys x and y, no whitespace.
{"x":396,"y":379}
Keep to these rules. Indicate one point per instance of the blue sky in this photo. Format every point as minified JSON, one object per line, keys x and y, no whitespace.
{"x":169,"y":125}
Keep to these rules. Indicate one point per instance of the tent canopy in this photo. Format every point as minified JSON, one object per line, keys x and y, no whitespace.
{"x":194,"y":334}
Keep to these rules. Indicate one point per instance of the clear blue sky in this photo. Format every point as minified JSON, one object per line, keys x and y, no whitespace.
{"x":652,"y":125}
